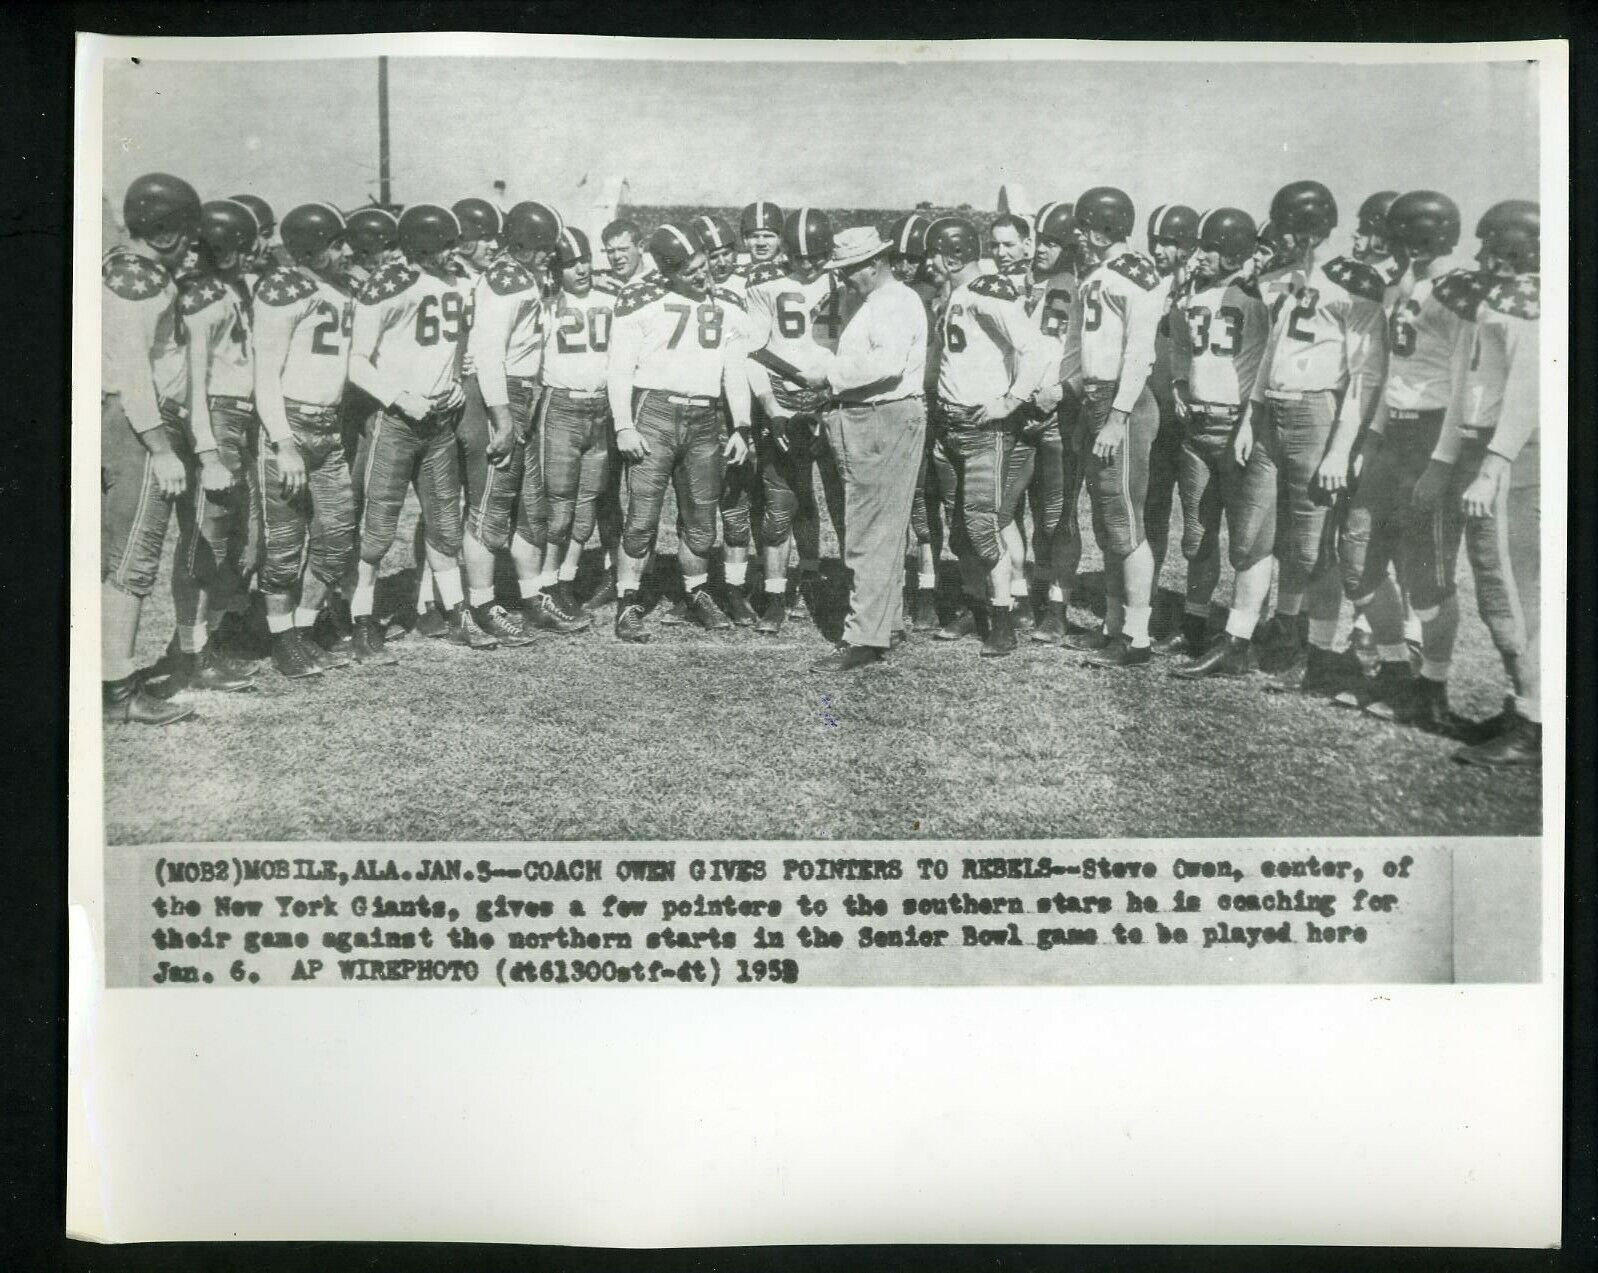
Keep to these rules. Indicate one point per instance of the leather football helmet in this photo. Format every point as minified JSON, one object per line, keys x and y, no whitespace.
{"x":956,"y":237}
{"x":807,"y":235}
{"x":572,"y":248}
{"x":1423,"y":223}
{"x":1175,"y":223}
{"x":762,"y":214}
{"x":264,"y":215}
{"x":424,"y":228}
{"x":1055,"y":221}
{"x":672,"y":247}
{"x":1228,"y":232}
{"x":479,"y":219}
{"x":1107,"y":210}
{"x":159,"y":205}
{"x":227,"y":227}
{"x":532,"y":227}
{"x":908,"y":237}
{"x":372,"y":230}
{"x":308,"y":229}
{"x":1304,"y":208}
{"x":1511,"y":231}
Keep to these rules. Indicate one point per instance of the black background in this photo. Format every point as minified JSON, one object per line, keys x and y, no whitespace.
{"x":36,"y":53}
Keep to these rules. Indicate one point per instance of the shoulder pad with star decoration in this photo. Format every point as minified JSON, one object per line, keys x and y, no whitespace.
{"x":765,"y":272}
{"x":636,"y":295}
{"x":1139,"y":268}
{"x":995,"y":285}
{"x":1462,"y":291}
{"x":507,"y":276}
{"x":199,"y":291}
{"x":389,"y":281}
{"x":284,"y":286}
{"x":728,"y":297}
{"x":1519,"y":297}
{"x":131,"y":276}
{"x":1356,"y":278}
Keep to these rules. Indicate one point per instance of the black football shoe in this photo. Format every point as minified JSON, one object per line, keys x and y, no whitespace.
{"x":605,"y":595}
{"x":1021,"y":616}
{"x":1385,"y":693}
{"x":543,"y":613}
{"x":701,"y":607}
{"x":967,"y":623}
{"x":1230,"y":657}
{"x":502,"y":625}
{"x":1000,"y":639}
{"x":464,"y":632}
{"x":209,"y":670}
{"x":368,"y":645}
{"x":126,"y":702}
{"x":1323,"y":673}
{"x":1120,"y":653}
{"x":775,"y":615}
{"x":1519,"y":745}
{"x":329,"y":658}
{"x":1089,"y":640}
{"x":630,"y":621}
{"x":1051,"y":623}
{"x":336,"y":629}
{"x":431,"y":623}
{"x":925,"y":612}
{"x":739,"y":610}
{"x":677,"y":613}
{"x":292,"y":656}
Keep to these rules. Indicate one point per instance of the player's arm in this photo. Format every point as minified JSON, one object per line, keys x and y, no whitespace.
{"x":209,"y":328}
{"x":130,"y":332}
{"x":1033,"y":355}
{"x":1517,"y":413}
{"x":1181,"y":342}
{"x":274,"y":332}
{"x":759,"y":319}
{"x":1365,"y":355}
{"x":494,"y":316}
{"x":1144,"y":309}
{"x":735,"y":383}
{"x":366,"y":336}
{"x":621,"y":365}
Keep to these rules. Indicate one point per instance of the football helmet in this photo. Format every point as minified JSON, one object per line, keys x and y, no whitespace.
{"x":1174,"y":223}
{"x":1373,"y":212}
{"x":532,"y":227}
{"x":1054,"y":221}
{"x":956,"y":237}
{"x":760,"y":215}
{"x":807,"y":235}
{"x":572,"y":248}
{"x":1228,"y":232}
{"x":309,"y":229}
{"x":1304,"y":208}
{"x":479,"y":219}
{"x":159,"y":205}
{"x":1423,"y":223}
{"x":909,"y":237}
{"x":227,"y":227}
{"x":711,"y":232}
{"x":1511,"y":232}
{"x":672,"y":247}
{"x":424,"y":229}
{"x":1106,"y":210}
{"x":264,"y":216}
{"x":372,"y":230}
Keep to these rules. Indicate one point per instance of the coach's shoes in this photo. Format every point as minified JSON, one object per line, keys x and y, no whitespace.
{"x":127,"y":702}
{"x":1232,"y":656}
{"x":1120,"y":653}
{"x":739,"y":610}
{"x":1051,"y":623}
{"x":1001,"y":634}
{"x":704,"y":611}
{"x":925,"y":612}
{"x":292,"y":655}
{"x":544,"y":613}
{"x":430,"y":622}
{"x":630,"y":622}
{"x":368,"y":645}
{"x":463,"y":631}
{"x":500,"y":624}
{"x":1518,"y":746}
{"x":846,"y":658}
{"x":967,"y":623}
{"x":776,"y":614}
{"x":1090,"y":641}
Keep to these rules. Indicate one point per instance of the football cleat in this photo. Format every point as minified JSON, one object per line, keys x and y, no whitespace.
{"x":1051,"y":622}
{"x":464,"y":632}
{"x":1231,"y":657}
{"x":1000,"y":639}
{"x":702,"y":607}
{"x":500,"y":624}
{"x":1119,"y":653}
{"x":127,"y":702}
{"x":739,"y":609}
{"x":961,"y":626}
{"x":1324,"y":673}
{"x":775,"y":616}
{"x":208,"y":670}
{"x":1519,"y":745}
{"x":430,"y":623}
{"x":1389,"y":684}
{"x":542,"y":613}
{"x":1021,"y":611}
{"x":565,"y":599}
{"x":327,"y":657}
{"x":846,"y":658}
{"x":676,"y":613}
{"x":799,"y":605}
{"x":1090,"y":640}
{"x":368,"y":646}
{"x":292,"y":656}
{"x":925,"y":611}
{"x":604,"y":597}
{"x":630,"y":623}
{"x":1192,"y":638}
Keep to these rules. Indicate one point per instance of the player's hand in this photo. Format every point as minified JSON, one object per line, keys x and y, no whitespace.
{"x":737,"y":449}
{"x":290,"y":468}
{"x":998,"y":409}
{"x":413,"y":406}
{"x":632,"y":444}
{"x":501,"y":442}
{"x":814,"y":379}
{"x":1048,"y":398}
{"x":1110,"y":437}
{"x":215,"y":476}
{"x":1179,"y":399}
{"x":1243,"y":442}
{"x":777,"y":427}
{"x":170,"y":473}
{"x":1368,"y":446}
{"x":454,"y":398}
{"x":1332,"y":476}
{"x":1482,"y":493}
{"x":1432,"y":483}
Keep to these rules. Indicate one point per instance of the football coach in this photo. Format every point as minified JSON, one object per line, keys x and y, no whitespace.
{"x":876,"y":424}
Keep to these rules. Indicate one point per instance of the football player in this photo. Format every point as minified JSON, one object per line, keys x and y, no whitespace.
{"x":373,"y":237}
{"x":1319,"y":383}
{"x":1382,"y":527}
{"x":504,"y":462}
{"x":621,"y":244}
{"x":907,"y":257}
{"x":410,"y":326}
{"x":574,"y":413}
{"x":208,"y":572}
{"x":260,"y":258}
{"x":760,"y":227}
{"x":1219,"y":325}
{"x":1481,"y":492}
{"x":143,"y":445}
{"x":1172,"y":235}
{"x":303,"y":319}
{"x":1118,"y":308}
{"x":675,"y":347}
{"x":796,"y":313}
{"x":992,"y":362}
{"x":1371,"y":245}
{"x":738,"y":481}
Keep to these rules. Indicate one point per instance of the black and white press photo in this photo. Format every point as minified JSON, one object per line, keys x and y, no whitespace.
{"x":611,"y":514}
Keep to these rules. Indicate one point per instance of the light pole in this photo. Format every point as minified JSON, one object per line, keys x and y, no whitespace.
{"x":382,"y":132}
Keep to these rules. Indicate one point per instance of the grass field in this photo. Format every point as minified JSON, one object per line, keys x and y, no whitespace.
{"x":709,"y":737}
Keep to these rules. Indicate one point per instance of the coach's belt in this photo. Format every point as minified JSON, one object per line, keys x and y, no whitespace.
{"x":1407,"y":416}
{"x":584,"y":395}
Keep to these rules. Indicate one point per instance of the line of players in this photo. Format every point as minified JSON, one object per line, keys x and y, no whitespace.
{"x":1350,"y":420}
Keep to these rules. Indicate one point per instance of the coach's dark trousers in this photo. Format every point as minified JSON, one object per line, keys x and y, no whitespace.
{"x":878,"y":449}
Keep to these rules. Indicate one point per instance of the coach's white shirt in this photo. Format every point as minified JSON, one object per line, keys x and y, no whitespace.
{"x":882,"y":353}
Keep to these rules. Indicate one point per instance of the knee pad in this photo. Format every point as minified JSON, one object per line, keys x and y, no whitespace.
{"x":444,"y":540}
{"x":735,"y":529}
{"x":698,"y":535}
{"x":637,"y":544}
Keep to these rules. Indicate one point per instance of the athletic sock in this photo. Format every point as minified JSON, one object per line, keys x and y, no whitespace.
{"x":1136,"y":625}
{"x":192,"y":640}
{"x":360,"y":601}
{"x":1056,"y":593}
{"x":1197,"y":609}
{"x":304,"y":618}
{"x":1240,"y":624}
{"x":928,"y":580}
{"x":1289,"y":603}
{"x":480,"y":596}
{"x":424,"y":588}
{"x":566,"y":574}
{"x":736,"y":573}
{"x":775,"y":585}
{"x":1322,"y":632}
{"x":548,"y":579}
{"x":448,"y":583}
{"x":1393,"y":653}
{"x":530,"y":588}
{"x":1020,"y":589}
{"x":1435,"y":669}
{"x":277,"y":624}
{"x":693,"y":583}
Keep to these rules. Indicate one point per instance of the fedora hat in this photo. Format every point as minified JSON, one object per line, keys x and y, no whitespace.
{"x":856,"y":246}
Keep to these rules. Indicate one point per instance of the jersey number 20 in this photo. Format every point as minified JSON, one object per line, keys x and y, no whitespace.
{"x":569,"y":336}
